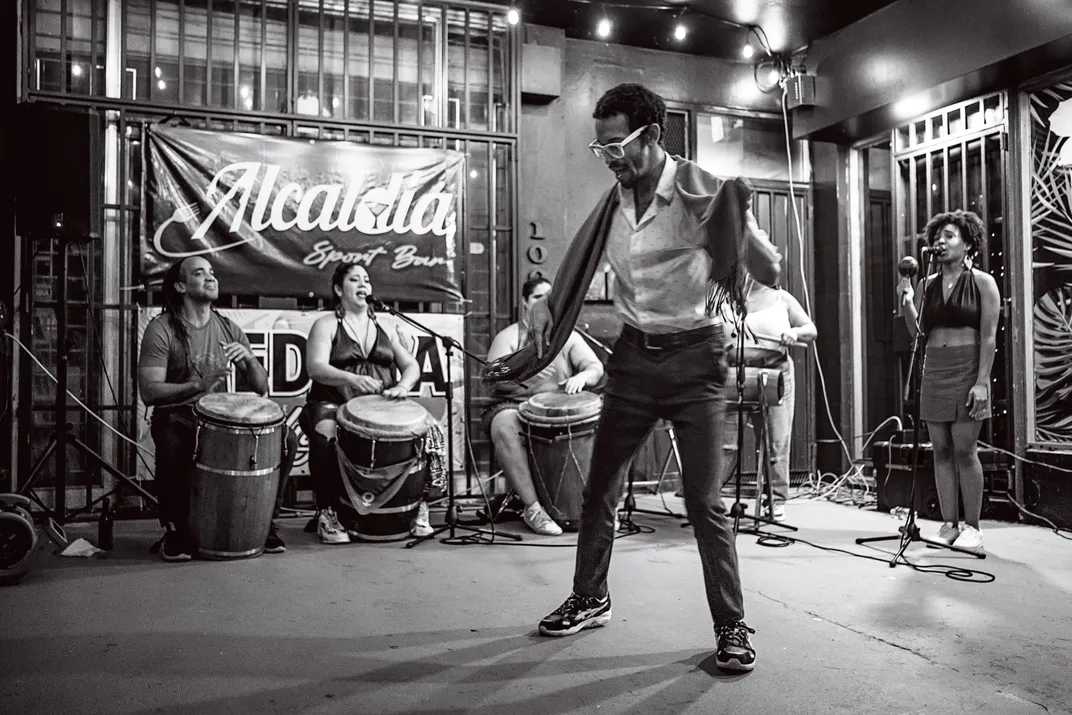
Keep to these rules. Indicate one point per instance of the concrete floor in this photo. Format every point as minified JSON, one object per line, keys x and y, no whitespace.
{"x":451,"y":629}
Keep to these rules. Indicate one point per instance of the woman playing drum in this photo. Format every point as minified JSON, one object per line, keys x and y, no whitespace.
{"x":348,"y":354}
{"x":775,"y":321}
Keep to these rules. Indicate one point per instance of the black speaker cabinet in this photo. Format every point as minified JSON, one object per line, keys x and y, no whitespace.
{"x":893,"y":478}
{"x":58,"y":174}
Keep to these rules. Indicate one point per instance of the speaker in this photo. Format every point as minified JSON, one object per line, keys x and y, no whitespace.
{"x":58,"y":172}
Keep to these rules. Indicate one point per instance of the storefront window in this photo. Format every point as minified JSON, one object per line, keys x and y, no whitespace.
{"x":742,"y":146}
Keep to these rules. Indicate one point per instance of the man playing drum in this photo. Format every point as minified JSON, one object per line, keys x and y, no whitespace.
{"x":186,"y":353}
{"x":575,"y":368}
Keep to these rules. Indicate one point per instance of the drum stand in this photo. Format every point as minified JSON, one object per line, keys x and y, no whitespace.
{"x":452,"y":524}
{"x":909,"y":531}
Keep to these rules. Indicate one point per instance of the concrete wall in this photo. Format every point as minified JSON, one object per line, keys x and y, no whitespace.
{"x":560,"y":179}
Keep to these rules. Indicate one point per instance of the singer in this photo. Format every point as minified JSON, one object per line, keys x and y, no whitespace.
{"x":957,"y":314}
{"x":680,"y":242}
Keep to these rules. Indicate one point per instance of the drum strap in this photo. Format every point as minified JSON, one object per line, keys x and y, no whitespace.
{"x":378,"y":486}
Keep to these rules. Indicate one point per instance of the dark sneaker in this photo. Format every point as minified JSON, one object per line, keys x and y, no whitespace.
{"x":176,"y":547}
{"x":273,"y":544}
{"x":735,"y":651}
{"x":576,"y":614}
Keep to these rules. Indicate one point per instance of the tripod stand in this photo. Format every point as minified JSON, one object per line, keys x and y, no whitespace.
{"x":630,"y":501}
{"x":63,"y":433}
{"x":452,"y":524}
{"x":909,"y":531}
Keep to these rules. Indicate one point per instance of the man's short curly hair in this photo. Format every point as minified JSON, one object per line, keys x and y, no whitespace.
{"x":639,"y":104}
{"x":971,"y":228}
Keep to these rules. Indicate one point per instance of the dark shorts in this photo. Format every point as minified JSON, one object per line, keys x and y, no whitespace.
{"x":490,"y":411}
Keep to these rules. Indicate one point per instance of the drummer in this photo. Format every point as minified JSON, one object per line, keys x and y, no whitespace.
{"x":574,"y":369}
{"x":775,"y":322}
{"x":187,"y":352}
{"x":349,"y":354}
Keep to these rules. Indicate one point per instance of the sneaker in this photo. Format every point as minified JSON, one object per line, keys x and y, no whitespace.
{"x":540,"y":521}
{"x":617,"y":523}
{"x":176,"y":547}
{"x":735,"y":652}
{"x":948,"y":533}
{"x":421,"y":525}
{"x":329,"y":529}
{"x":778,"y":512}
{"x":576,"y":614}
{"x":970,"y":538}
{"x":273,"y":544}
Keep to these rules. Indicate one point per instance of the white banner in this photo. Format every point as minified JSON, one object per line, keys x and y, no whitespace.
{"x":278,"y":341}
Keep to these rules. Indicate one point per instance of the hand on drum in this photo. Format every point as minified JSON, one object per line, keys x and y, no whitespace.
{"x":789,"y":338}
{"x":236,"y":352}
{"x":396,"y":393}
{"x":213,"y":378}
{"x":573,"y":385}
{"x":365,"y":385}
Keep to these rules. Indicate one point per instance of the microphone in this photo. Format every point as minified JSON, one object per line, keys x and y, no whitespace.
{"x":926,"y":251}
{"x":376,"y":303}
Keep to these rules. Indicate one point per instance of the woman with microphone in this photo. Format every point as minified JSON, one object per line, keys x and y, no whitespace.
{"x":774,"y":322}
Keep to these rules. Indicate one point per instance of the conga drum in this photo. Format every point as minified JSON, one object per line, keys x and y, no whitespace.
{"x":235,"y":479}
{"x":761,"y":384}
{"x":380,"y":447}
{"x":560,"y":431}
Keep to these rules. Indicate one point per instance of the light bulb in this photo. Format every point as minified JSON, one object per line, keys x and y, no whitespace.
{"x":603,"y":28}
{"x":680,"y":32}
{"x":748,"y":51}
{"x":513,"y":16}
{"x":773,"y":75}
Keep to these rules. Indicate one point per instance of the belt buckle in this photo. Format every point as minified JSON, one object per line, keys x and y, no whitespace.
{"x":645,"y":344}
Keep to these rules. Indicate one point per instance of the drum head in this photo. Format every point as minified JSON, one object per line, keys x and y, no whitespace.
{"x":239,"y":409}
{"x":558,"y":407}
{"x":376,"y":415}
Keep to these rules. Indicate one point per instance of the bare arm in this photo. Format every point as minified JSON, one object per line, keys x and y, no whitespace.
{"x":504,"y":343}
{"x":584,"y":360}
{"x":988,"y":325}
{"x":407,"y":365}
{"x":910,"y":309}
{"x":318,"y":355}
{"x":156,"y":391}
{"x":251,"y":367}
{"x":803,"y":327}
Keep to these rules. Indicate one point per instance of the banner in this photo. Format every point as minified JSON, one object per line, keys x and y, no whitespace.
{"x":278,"y":337}
{"x":275,"y":216}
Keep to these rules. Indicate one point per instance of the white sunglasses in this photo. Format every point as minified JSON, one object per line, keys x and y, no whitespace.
{"x":615,"y":150}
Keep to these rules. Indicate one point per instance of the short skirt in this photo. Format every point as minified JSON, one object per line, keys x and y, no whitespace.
{"x":948,"y":376}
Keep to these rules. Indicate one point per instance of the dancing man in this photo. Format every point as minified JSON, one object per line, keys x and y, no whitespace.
{"x":959,"y":323}
{"x":573,"y":369}
{"x":680,"y":243}
{"x":188,"y":352}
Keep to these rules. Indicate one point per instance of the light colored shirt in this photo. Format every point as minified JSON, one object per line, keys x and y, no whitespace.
{"x":660,"y":261}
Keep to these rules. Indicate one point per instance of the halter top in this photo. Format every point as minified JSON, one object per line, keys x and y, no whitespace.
{"x":347,"y":355}
{"x":961,"y":310}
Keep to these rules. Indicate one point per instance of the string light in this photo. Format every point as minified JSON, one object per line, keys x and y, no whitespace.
{"x":680,"y":32}
{"x":748,"y":51}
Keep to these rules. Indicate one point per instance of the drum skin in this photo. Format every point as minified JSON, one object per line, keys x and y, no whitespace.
{"x":560,"y":432}
{"x":377,"y":433}
{"x":236,"y":474}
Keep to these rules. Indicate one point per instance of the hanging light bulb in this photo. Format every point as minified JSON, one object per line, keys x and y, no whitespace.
{"x":603,"y":28}
{"x":748,"y":52}
{"x":680,"y":32}
{"x":513,"y":16}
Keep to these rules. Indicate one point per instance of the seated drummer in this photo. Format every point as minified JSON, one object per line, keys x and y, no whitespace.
{"x":574,"y":369}
{"x":349,"y":354}
{"x":187,"y":352}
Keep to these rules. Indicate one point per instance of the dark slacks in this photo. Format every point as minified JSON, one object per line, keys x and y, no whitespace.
{"x":174,"y":433}
{"x":681,"y":383}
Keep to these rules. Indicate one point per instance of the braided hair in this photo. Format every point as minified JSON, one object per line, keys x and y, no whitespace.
{"x":173,"y":300}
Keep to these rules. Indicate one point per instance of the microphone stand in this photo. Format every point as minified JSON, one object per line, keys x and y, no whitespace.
{"x":909,"y":531}
{"x":452,"y":524}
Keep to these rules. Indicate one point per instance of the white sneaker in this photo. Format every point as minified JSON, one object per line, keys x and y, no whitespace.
{"x":540,"y":521}
{"x":617,"y":522}
{"x":421,"y":525}
{"x":970,"y":538}
{"x":947,"y":534}
{"x":778,"y":512}
{"x":329,"y":529}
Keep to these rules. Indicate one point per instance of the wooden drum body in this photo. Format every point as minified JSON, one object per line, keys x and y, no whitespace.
{"x":761,"y":384}
{"x":235,"y":480}
{"x":560,"y":431}
{"x":382,"y":462}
